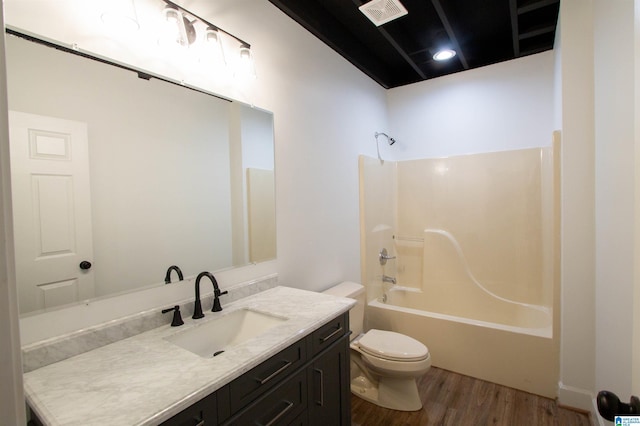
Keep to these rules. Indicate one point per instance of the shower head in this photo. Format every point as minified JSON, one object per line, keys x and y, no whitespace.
{"x":390,"y":141}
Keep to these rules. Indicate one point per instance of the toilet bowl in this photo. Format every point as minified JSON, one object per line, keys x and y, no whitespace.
{"x":384,"y":364}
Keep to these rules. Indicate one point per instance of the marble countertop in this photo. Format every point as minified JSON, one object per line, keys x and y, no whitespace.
{"x":145,"y":379}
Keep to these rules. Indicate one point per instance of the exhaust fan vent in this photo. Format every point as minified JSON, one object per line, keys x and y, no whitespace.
{"x":382,"y":11}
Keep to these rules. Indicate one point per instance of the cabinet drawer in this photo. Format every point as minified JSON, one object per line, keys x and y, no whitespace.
{"x":330,"y":332}
{"x":283,"y":405}
{"x":200,"y":413}
{"x":249,"y":386}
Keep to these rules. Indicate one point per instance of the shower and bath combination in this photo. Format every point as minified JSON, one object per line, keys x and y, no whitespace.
{"x":390,"y":141}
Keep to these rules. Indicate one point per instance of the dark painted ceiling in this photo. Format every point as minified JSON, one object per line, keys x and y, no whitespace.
{"x":400,"y":52}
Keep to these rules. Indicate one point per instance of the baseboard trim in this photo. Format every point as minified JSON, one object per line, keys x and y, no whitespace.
{"x":579,"y":399}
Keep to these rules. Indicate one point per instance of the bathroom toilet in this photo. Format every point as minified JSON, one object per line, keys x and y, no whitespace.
{"x":384,"y":364}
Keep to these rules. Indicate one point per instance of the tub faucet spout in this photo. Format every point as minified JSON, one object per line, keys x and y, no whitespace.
{"x":388,"y":279}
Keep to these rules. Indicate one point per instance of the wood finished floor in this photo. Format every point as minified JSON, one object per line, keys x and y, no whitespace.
{"x":453,"y":399}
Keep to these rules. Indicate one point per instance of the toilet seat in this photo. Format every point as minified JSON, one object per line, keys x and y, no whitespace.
{"x":392,"y":346}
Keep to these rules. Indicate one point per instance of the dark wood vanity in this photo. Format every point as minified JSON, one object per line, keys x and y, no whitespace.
{"x":305,"y":384}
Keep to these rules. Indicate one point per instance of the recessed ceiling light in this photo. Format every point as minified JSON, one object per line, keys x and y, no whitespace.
{"x":444,"y":54}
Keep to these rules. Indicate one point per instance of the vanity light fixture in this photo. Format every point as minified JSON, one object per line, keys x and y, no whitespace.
{"x":210,"y":41}
{"x":213,"y":43}
{"x":444,"y":54}
{"x":245,"y":67}
{"x":181,"y":29}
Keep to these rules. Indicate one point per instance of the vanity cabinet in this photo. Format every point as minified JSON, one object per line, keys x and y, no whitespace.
{"x":329,"y":376}
{"x":305,"y":384}
{"x":329,"y":394}
{"x":203,"y":412}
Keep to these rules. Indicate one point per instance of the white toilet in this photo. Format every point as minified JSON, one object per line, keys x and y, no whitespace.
{"x":384,"y":364}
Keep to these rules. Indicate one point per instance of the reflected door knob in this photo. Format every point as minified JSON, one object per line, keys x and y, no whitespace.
{"x":85,"y":264}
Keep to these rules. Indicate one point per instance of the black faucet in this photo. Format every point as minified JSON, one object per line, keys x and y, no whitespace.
{"x":167,"y":277}
{"x":197,"y":308}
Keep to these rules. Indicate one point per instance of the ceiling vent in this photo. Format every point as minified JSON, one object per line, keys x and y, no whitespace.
{"x":382,"y":11}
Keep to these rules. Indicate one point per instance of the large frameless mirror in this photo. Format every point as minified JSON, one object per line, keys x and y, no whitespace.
{"x":162,"y":175}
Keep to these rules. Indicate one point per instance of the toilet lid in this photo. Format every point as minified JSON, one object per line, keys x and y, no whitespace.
{"x":392,"y":346}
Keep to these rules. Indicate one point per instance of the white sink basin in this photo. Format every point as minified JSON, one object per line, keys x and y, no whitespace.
{"x":215,"y":336}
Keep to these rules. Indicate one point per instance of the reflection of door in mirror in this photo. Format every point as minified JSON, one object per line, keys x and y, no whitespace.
{"x":51,"y":210}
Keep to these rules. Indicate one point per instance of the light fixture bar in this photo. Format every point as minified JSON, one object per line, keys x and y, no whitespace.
{"x":141,"y":74}
{"x":182,"y":9}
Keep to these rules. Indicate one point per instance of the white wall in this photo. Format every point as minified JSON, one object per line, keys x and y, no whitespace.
{"x":599,"y":187}
{"x":494,"y":108}
{"x":614,"y":192}
{"x":577,"y":347}
{"x":635,"y":371}
{"x":325,"y":112}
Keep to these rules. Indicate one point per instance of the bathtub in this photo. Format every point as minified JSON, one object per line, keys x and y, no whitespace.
{"x":473,"y":306}
{"x":506,"y":343}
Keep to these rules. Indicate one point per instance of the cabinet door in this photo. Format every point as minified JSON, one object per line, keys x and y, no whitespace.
{"x":201,"y":413}
{"x":329,"y":394}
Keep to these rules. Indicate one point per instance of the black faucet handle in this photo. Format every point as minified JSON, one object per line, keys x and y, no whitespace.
{"x":177,"y":318}
{"x":216,"y":301}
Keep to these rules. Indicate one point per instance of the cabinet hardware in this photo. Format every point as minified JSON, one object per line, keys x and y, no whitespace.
{"x":324,"y":339}
{"x":275,"y":373}
{"x":321,"y":373}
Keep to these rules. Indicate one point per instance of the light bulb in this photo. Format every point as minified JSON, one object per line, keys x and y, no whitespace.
{"x":444,"y":54}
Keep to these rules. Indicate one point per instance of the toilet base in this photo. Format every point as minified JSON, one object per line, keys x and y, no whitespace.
{"x":394,"y":393}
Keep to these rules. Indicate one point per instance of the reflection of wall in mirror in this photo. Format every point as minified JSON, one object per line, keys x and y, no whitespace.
{"x":138,"y":203}
{"x":262,"y":214}
{"x":252,"y":171}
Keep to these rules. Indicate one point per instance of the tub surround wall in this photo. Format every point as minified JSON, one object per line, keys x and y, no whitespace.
{"x":493,"y":206}
{"x":475,"y":246}
{"x":49,"y":351}
{"x":481,"y":220}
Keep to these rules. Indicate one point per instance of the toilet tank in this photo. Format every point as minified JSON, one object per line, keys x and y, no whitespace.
{"x":356,"y":314}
